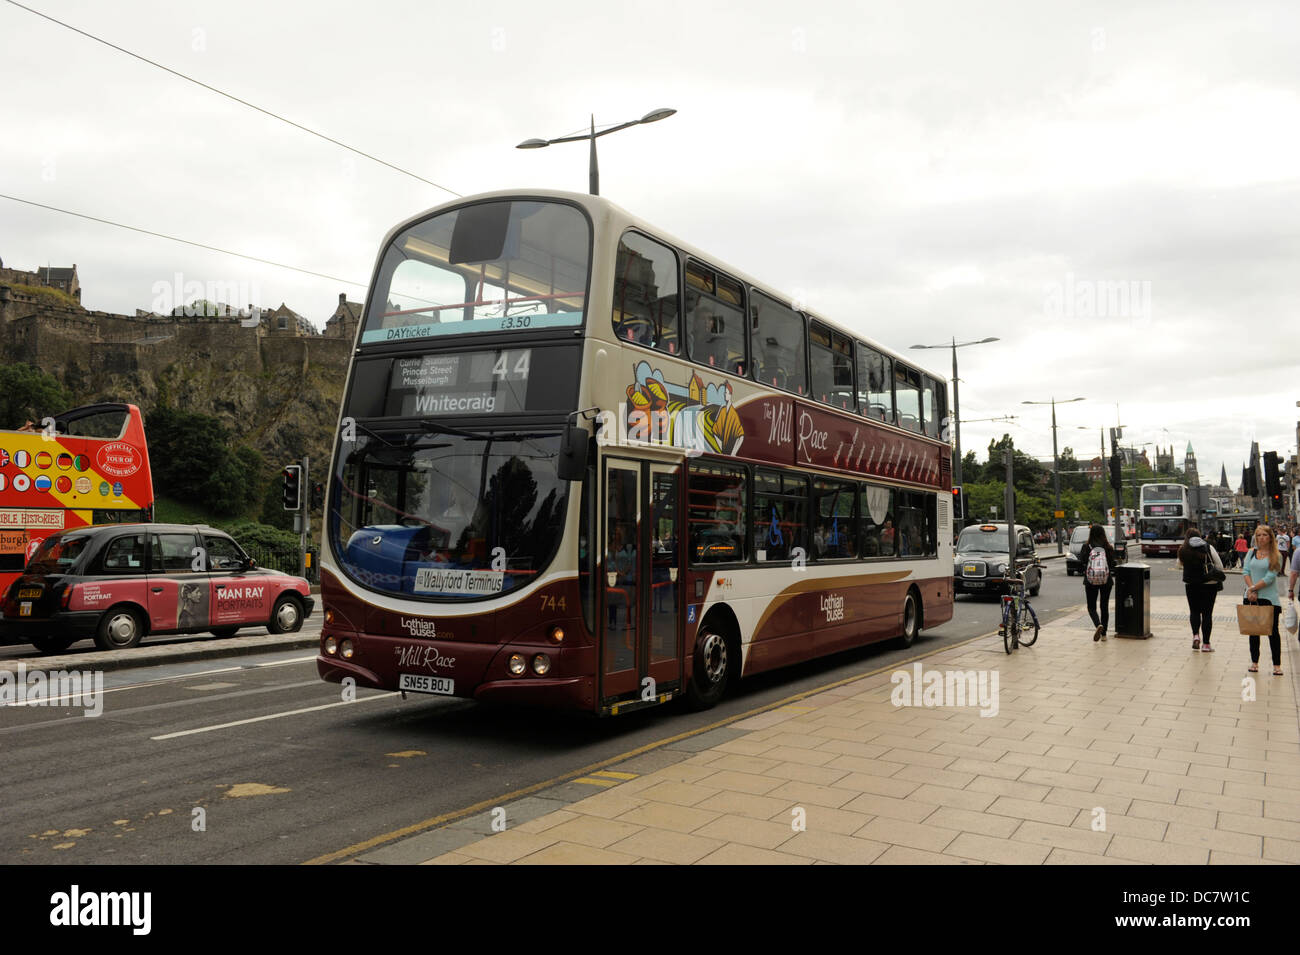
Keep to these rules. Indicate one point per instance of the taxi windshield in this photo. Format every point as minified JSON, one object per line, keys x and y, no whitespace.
{"x":975,"y":541}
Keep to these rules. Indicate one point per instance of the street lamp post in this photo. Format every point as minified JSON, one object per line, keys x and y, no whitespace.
{"x":1056,"y":469}
{"x":956,"y":402}
{"x":593,"y":171}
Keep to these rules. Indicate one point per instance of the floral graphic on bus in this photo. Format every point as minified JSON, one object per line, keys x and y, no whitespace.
{"x":694,"y":416}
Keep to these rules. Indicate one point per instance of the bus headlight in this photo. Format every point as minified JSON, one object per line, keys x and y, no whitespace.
{"x":331,"y":645}
{"x":541,"y":664}
{"x":557,"y":634}
{"x":345,"y":649}
{"x":517,"y":664}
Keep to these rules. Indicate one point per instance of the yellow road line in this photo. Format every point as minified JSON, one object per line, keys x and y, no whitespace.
{"x":606,"y":783}
{"x":448,"y":817}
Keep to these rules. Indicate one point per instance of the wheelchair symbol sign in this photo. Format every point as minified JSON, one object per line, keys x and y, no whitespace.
{"x":690,"y":614}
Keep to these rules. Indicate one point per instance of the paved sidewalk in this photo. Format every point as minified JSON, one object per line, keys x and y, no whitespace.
{"x":1124,"y":751}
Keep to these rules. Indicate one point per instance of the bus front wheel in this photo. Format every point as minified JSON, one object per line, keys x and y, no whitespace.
{"x":713,"y":666}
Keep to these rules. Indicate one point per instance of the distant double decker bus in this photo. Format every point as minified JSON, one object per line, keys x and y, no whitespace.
{"x":86,"y":466}
{"x":1163,"y":515}
{"x":582,"y":464}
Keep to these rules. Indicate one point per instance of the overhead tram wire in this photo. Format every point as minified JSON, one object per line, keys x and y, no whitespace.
{"x":197,"y":245}
{"x":232,"y":97}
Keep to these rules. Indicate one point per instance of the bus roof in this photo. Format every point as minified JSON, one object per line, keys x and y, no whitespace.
{"x":614,"y":217}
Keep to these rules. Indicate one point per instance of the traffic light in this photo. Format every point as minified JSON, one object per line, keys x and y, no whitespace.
{"x":1116,"y":475}
{"x":292,"y":476}
{"x":1272,"y":481}
{"x":958,"y":503}
{"x":317,"y":495}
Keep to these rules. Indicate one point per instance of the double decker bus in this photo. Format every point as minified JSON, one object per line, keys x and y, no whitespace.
{"x":582,"y":464}
{"x":86,"y":466}
{"x":1164,"y":512}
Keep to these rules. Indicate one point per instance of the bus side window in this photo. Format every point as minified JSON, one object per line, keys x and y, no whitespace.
{"x":645,"y":294}
{"x":715,"y":320}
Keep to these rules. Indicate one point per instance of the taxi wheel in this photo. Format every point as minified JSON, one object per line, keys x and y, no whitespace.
{"x":119,"y":629}
{"x":50,"y":645}
{"x":286,"y":617}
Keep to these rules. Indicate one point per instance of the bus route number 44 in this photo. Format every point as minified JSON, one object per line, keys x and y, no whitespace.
{"x":502,"y":369}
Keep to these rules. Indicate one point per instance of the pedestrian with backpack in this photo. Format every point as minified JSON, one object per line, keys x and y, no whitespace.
{"x":1202,"y":579}
{"x":1098,"y":559}
{"x":1260,"y":569}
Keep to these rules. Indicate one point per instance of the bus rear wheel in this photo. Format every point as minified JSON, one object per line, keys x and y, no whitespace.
{"x":713,"y":666}
{"x":911,"y":620}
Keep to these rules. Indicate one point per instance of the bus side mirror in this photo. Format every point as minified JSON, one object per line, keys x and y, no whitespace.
{"x":573,"y":453}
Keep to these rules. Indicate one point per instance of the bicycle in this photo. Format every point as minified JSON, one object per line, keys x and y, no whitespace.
{"x":1018,"y":614}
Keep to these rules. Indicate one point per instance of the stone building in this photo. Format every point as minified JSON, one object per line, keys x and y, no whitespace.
{"x":63,"y":279}
{"x":343,"y":323}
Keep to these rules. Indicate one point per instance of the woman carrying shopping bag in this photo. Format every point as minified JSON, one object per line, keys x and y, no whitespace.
{"x":1260,"y":569}
{"x":1202,"y":579}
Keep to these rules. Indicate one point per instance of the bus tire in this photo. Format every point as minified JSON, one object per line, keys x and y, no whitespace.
{"x":50,"y":645}
{"x":714,"y":664}
{"x":286,"y":616}
{"x":911,"y":619}
{"x":224,"y":631}
{"x":121,"y":628}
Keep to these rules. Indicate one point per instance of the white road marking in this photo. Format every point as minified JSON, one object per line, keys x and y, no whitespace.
{"x":272,"y":716}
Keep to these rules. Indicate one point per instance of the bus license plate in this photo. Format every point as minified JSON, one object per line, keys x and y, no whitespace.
{"x":29,"y":593}
{"x":25,"y":609}
{"x":420,"y":683}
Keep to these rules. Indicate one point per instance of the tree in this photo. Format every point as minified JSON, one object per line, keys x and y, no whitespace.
{"x":194,"y":460}
{"x":29,"y":394}
{"x":1066,"y":461}
{"x":972,"y":472}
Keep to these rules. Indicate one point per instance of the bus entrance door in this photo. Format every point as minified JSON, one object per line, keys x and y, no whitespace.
{"x":641,"y":556}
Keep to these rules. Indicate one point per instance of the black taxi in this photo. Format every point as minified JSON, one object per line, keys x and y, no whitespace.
{"x":982,"y":565}
{"x":118,"y":583}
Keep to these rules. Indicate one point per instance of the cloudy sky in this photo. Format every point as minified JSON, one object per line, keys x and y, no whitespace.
{"x":1110,"y":188}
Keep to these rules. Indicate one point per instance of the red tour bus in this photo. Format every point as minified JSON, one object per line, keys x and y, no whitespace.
{"x":86,"y":466}
{"x":581,"y":464}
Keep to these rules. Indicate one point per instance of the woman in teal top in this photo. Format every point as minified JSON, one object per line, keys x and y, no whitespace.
{"x":1260,"y":569}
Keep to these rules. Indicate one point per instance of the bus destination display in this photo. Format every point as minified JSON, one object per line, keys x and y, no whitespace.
{"x":486,"y":382}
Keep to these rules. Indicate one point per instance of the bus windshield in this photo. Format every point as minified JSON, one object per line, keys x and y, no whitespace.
{"x":491,"y":266}
{"x":451,"y":515}
{"x":1162,"y":494}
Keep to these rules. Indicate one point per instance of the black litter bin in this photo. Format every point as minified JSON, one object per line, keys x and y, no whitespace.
{"x":1133,"y":601}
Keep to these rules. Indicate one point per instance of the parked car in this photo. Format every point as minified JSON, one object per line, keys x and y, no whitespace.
{"x":981,"y":562}
{"x":1076,"y":561}
{"x":121,"y":582}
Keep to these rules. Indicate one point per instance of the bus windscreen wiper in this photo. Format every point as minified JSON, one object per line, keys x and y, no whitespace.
{"x":481,"y":436}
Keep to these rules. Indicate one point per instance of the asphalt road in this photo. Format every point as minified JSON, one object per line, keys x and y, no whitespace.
{"x":253,"y":759}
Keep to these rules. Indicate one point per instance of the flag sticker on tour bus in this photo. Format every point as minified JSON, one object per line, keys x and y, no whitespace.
{"x":22,"y":459}
{"x":83,"y":485}
{"x":64,"y":461}
{"x":22,"y":482}
{"x":64,"y":484}
{"x":2,"y":482}
{"x":4,"y":458}
{"x":44,"y":460}
{"x":43,"y":482}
